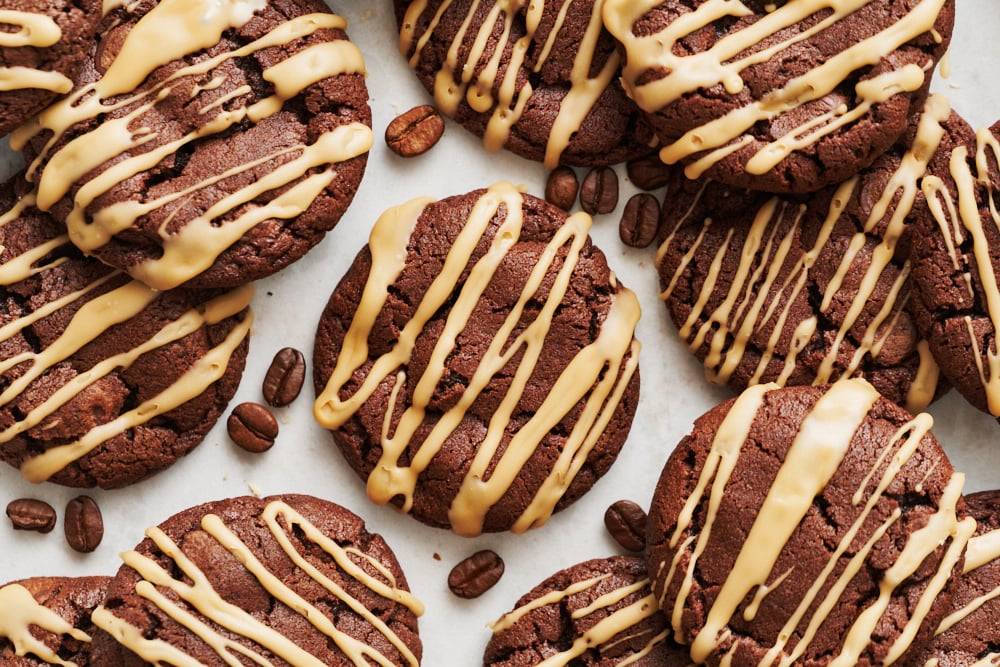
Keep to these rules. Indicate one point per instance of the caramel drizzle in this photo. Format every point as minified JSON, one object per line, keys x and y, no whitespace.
{"x":598,"y":374}
{"x":33,"y":30}
{"x":19,"y":612}
{"x":755,"y":297}
{"x":813,"y":458}
{"x":171,"y":30}
{"x":723,"y":64}
{"x":204,"y":602}
{"x":475,"y":79}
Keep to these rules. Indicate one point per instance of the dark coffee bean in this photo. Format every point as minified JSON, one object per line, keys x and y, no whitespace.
{"x":252,"y":427}
{"x":83,"y":523}
{"x":561,"y":188}
{"x":599,"y":192}
{"x":476,"y":574}
{"x":647,"y":173}
{"x":415,"y":131}
{"x":626,"y":521}
{"x":640,"y":220}
{"x":284,"y":377}
{"x":31,"y":514}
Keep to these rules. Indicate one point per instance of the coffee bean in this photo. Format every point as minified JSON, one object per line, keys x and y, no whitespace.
{"x":599,"y":192}
{"x":640,"y":220}
{"x":561,"y":187}
{"x":476,"y":574}
{"x":415,"y":131}
{"x":284,"y":377}
{"x":83,"y":523}
{"x":252,"y":427}
{"x":626,"y":521}
{"x":647,"y":173}
{"x":31,"y":514}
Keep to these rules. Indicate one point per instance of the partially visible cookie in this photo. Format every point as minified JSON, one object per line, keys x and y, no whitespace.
{"x":540,"y":80}
{"x":46,"y":620}
{"x":41,"y":48}
{"x":476,"y":364}
{"x":287,"y":580}
{"x":778,"y":96}
{"x":103,"y":380}
{"x":599,"y":612}
{"x":808,"y":525}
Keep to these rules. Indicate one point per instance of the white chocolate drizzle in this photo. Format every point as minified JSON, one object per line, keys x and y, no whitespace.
{"x":33,"y":30}
{"x":598,"y":375}
{"x":19,"y":612}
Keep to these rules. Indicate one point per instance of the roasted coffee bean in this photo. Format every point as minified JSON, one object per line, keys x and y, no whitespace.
{"x":599,"y":192}
{"x":476,"y":574}
{"x":647,"y":173}
{"x":83,"y":523}
{"x":31,"y":514}
{"x":252,"y":427}
{"x":626,"y":521}
{"x":284,"y":377}
{"x":561,"y":187}
{"x":640,"y":220}
{"x":415,"y":131}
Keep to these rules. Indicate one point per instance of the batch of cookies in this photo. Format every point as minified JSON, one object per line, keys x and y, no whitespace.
{"x":827,"y":244}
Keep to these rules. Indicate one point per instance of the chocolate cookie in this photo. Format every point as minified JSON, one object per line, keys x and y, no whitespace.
{"x":103,"y":380}
{"x":803,"y":289}
{"x":957,"y":261}
{"x":599,"y":612}
{"x":203,"y":144}
{"x":46,"y":620}
{"x":541,"y":81}
{"x":778,"y":96}
{"x":41,"y":47}
{"x":285,"y":580}
{"x":970,"y":635}
{"x":810,"y":525}
{"x":477,"y":363}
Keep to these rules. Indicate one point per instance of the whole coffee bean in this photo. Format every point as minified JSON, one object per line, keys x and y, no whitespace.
{"x":647,"y":173}
{"x":83,"y":523}
{"x":640,"y":220}
{"x":626,"y":521}
{"x":31,"y":514}
{"x":284,"y":377}
{"x":561,"y":187}
{"x":599,"y":192}
{"x":252,"y":427}
{"x":415,"y":131}
{"x":476,"y":574}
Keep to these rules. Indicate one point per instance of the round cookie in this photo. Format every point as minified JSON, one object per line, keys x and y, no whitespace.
{"x":541,"y":81}
{"x":970,"y":635}
{"x":778,"y":96}
{"x":205,"y":143}
{"x":957,"y":261}
{"x":104,"y":381}
{"x":284,"y":580}
{"x":803,"y":289}
{"x":40,"y":52}
{"x":597,"y":613}
{"x":46,"y":620}
{"x":813,"y":525}
{"x":493,"y":334}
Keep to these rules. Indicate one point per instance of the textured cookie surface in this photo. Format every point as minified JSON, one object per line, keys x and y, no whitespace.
{"x":208,"y":144}
{"x":104,"y":381}
{"x":284,"y":580}
{"x":822,"y":525}
{"x":802,"y":289}
{"x":477,"y":362}
{"x":541,"y":81}
{"x":46,"y":620}
{"x":782,"y":96}
{"x":40,"y":52}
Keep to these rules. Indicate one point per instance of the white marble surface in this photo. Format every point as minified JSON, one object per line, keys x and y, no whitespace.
{"x":305,"y":460}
